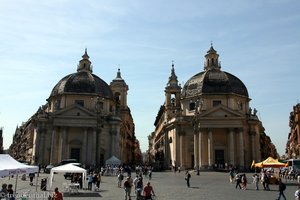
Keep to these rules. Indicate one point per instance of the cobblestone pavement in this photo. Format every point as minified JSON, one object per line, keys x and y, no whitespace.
{"x":167,"y":185}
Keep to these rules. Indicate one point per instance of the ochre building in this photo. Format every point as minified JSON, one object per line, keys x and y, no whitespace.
{"x":293,"y":143}
{"x":84,"y":118}
{"x":208,"y":123}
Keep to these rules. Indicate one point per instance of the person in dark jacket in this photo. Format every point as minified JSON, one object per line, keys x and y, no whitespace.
{"x":187,"y":178}
{"x":282,"y":187}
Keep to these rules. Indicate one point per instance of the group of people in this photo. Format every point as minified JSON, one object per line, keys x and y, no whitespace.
{"x":141,"y":191}
{"x":241,"y":179}
{"x":263,"y":178}
{"x":7,"y":192}
{"x":94,"y":180}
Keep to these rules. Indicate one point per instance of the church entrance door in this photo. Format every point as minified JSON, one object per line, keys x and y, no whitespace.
{"x":75,"y":154}
{"x":219,"y":158}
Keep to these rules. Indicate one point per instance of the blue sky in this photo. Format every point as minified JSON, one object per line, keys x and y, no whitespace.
{"x":257,"y":40}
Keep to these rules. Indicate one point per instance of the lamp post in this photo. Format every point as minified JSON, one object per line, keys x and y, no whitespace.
{"x":196,"y":122}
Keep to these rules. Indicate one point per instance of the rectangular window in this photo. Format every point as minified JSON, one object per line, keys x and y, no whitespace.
{"x":241,"y":106}
{"x":79,"y":102}
{"x":216,"y":103}
{"x":192,"y":106}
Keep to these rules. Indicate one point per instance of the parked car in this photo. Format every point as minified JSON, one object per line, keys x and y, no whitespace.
{"x":48,"y":168}
{"x":68,"y":175}
{"x":63,"y":162}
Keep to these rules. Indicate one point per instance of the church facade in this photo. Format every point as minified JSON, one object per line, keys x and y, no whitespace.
{"x":84,"y":119}
{"x":208,"y":123}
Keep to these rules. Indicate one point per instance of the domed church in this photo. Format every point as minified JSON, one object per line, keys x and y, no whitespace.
{"x":208,"y":123}
{"x":84,"y":119}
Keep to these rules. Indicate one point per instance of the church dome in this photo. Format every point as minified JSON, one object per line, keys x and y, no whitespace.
{"x":82,"y":82}
{"x":213,"y":80}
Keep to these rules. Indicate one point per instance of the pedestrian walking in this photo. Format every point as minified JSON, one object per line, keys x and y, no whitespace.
{"x":231,"y":176}
{"x":150,"y":174}
{"x":265,"y":180}
{"x":31,"y":176}
{"x":297,"y":194}
{"x":238,"y":180}
{"x":57,"y":195}
{"x":98,"y":181}
{"x":127,"y":188}
{"x":244,"y":182}
{"x":187,"y":178}
{"x":139,"y":188}
{"x":281,"y":187}
{"x":148,"y":192}
{"x":256,"y":181}
{"x":3,"y":190}
{"x":90,"y":181}
{"x":120,"y":179}
{"x":10,"y":192}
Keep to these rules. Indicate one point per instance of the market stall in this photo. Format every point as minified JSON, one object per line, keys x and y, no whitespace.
{"x":67,"y":168}
{"x":9,"y":167}
{"x":272,"y":166}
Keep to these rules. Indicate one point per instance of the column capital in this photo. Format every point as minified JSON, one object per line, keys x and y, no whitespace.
{"x":252,"y":133}
{"x":230,"y":130}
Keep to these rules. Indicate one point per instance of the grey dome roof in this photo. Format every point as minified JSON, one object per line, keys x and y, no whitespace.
{"x":84,"y":83}
{"x":214,"y":82}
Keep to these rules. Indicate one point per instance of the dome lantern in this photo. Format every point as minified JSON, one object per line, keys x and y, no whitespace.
{"x":212,"y":59}
{"x":85,"y":63}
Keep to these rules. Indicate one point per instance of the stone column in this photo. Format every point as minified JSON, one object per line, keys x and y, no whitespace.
{"x":36,"y":155}
{"x":231,"y":146}
{"x":113,"y":143}
{"x":37,"y":146}
{"x":41,"y":153}
{"x":200,"y":148}
{"x":258,"y":154}
{"x":210,"y":149}
{"x":117,"y":144}
{"x":84,"y":146}
{"x":182,"y":160}
{"x":252,"y":136}
{"x":62,"y":143}
{"x":53,"y":149}
{"x":196,"y":150}
{"x":167,"y":150}
{"x":177,"y":147}
{"x":94,"y":147}
{"x":241,"y":149}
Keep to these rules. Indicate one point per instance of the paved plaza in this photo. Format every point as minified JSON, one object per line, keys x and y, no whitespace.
{"x":167,"y":185}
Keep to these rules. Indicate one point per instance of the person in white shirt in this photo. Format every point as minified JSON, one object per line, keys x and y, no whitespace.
{"x":297,"y":194}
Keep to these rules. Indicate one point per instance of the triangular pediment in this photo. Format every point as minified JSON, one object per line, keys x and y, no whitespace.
{"x":74,"y":110}
{"x":221,"y":111}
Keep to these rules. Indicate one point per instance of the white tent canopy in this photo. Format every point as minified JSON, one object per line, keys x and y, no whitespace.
{"x":9,"y":166}
{"x":70,"y":168}
{"x":113,"y":161}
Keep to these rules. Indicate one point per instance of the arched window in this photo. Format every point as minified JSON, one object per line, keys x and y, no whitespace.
{"x":192,"y":106}
{"x":117,"y":97}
